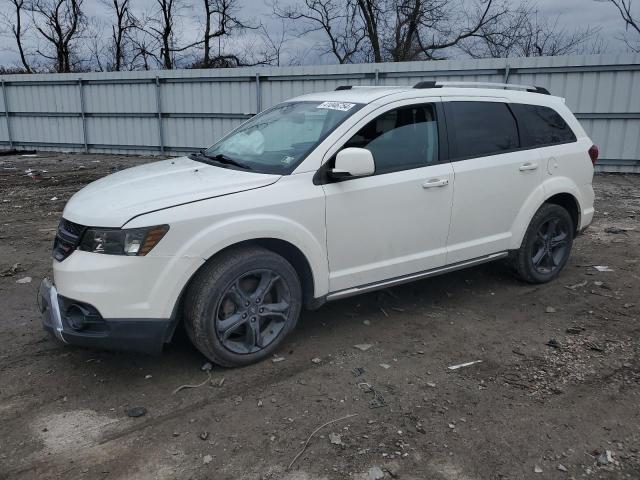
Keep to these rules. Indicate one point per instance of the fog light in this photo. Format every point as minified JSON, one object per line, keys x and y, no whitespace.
{"x":76,"y":316}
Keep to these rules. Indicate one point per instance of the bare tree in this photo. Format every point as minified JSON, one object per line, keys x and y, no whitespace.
{"x":144,"y":50}
{"x":445,"y":26}
{"x":154,"y":39}
{"x":631,"y":22}
{"x":371,"y":12}
{"x":523,"y":32}
{"x":60,"y":22}
{"x":97,"y":56}
{"x":429,"y":29}
{"x":220,"y":20}
{"x":338,"y":20}
{"x":121,"y":29}
{"x":272,"y":44}
{"x":164,"y":29}
{"x":393,"y":30}
{"x":224,"y":13}
{"x":15,"y":24}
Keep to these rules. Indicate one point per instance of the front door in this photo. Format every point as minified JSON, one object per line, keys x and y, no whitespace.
{"x":396,"y":221}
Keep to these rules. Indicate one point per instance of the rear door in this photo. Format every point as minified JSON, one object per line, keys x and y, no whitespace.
{"x":493,"y":176}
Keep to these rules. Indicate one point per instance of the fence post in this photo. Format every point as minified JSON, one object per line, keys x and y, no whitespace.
{"x":377,"y":72}
{"x":6,"y":114}
{"x":84,"y":120}
{"x":506,"y":73}
{"x":258,"y":94}
{"x":159,"y":110}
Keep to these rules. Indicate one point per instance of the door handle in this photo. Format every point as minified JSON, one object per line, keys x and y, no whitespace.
{"x":436,"y":182}
{"x":528,"y":166}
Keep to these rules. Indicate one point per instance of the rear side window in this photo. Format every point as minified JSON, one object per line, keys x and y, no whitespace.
{"x":479,"y":129}
{"x":540,"y":126}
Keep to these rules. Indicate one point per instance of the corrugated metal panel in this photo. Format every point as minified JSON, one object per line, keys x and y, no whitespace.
{"x":46,"y":129}
{"x":115,"y":98}
{"x":122,"y":131}
{"x":43,"y":98}
{"x":4,"y":134}
{"x":121,"y":109}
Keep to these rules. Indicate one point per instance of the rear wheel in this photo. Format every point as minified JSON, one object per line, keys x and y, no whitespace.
{"x":241,"y":305}
{"x":546,"y":245}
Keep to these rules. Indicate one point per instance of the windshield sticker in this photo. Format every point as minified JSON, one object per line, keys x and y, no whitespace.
{"x":342,"y":106}
{"x":287,"y":160}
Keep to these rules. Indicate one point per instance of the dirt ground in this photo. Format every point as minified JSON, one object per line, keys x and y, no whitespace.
{"x":556,"y":395}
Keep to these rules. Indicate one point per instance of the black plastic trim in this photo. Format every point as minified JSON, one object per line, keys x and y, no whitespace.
{"x":67,"y":239}
{"x":443,"y":141}
{"x":132,"y":335}
{"x":427,"y":84}
{"x":144,"y":335}
{"x":540,"y":90}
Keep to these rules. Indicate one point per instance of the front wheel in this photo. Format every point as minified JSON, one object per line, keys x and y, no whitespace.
{"x":241,"y":305}
{"x":546,"y":245}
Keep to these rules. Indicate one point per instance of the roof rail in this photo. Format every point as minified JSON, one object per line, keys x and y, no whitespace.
{"x":368,"y":87}
{"x":501,"y":86}
{"x":427,"y":84}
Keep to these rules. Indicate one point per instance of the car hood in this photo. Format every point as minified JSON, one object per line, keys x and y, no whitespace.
{"x":113,"y":200}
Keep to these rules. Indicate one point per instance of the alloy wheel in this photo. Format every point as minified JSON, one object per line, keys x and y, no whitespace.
{"x":252,"y":311}
{"x":551,"y":245}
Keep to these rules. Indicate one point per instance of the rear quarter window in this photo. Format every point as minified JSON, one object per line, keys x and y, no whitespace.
{"x":540,"y":126}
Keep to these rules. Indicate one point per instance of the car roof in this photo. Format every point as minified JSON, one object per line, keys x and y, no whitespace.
{"x":367,"y":95}
{"x":354,"y":94}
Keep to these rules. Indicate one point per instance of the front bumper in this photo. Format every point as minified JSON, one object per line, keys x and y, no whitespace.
{"x":146,"y":335}
{"x":50,"y":309}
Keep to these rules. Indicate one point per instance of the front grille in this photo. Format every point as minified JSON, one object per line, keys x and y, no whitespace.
{"x":67,"y":239}
{"x":71,"y":228}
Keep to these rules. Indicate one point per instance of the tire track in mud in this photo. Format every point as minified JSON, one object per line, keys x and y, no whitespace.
{"x":27,"y":357}
{"x":255,"y":383}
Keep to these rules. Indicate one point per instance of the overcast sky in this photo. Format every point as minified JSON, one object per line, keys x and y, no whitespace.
{"x":572,"y":14}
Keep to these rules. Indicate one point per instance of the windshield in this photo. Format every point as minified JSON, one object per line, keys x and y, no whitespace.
{"x":278,"y":139}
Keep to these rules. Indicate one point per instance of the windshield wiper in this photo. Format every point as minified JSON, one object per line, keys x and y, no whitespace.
{"x":219,"y":158}
{"x":222,"y":158}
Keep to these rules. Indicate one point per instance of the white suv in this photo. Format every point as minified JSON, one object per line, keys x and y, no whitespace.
{"x":318,"y":198}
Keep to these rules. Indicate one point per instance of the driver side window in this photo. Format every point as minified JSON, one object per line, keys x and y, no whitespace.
{"x":400,"y":139}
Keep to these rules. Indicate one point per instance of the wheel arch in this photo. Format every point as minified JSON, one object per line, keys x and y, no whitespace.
{"x":285,"y":249}
{"x":570,"y":204}
{"x":557,"y":191}
{"x":289,"y":252}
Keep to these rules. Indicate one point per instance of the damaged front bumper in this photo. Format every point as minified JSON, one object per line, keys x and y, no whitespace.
{"x":77,"y":323}
{"x":50,"y":309}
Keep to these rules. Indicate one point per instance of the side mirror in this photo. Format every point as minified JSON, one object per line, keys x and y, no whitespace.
{"x":353,"y":162}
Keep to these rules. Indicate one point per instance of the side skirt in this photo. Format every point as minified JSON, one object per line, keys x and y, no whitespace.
{"x":349,"y":292}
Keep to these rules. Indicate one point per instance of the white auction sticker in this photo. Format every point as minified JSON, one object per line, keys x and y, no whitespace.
{"x":342,"y":106}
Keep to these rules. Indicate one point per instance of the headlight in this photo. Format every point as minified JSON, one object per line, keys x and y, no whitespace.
{"x":128,"y":241}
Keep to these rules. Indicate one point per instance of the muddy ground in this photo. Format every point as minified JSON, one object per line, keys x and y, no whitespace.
{"x":557,"y":394}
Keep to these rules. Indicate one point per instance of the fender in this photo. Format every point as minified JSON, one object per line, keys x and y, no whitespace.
{"x":264,"y":226}
{"x":203,"y":245}
{"x":547,"y":189}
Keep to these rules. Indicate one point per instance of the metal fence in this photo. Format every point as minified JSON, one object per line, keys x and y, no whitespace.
{"x":173,"y":112}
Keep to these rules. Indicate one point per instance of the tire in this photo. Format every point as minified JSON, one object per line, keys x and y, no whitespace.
{"x":241,"y":305}
{"x":546,"y":245}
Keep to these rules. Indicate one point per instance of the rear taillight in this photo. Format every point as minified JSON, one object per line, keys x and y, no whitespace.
{"x":593,"y":153}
